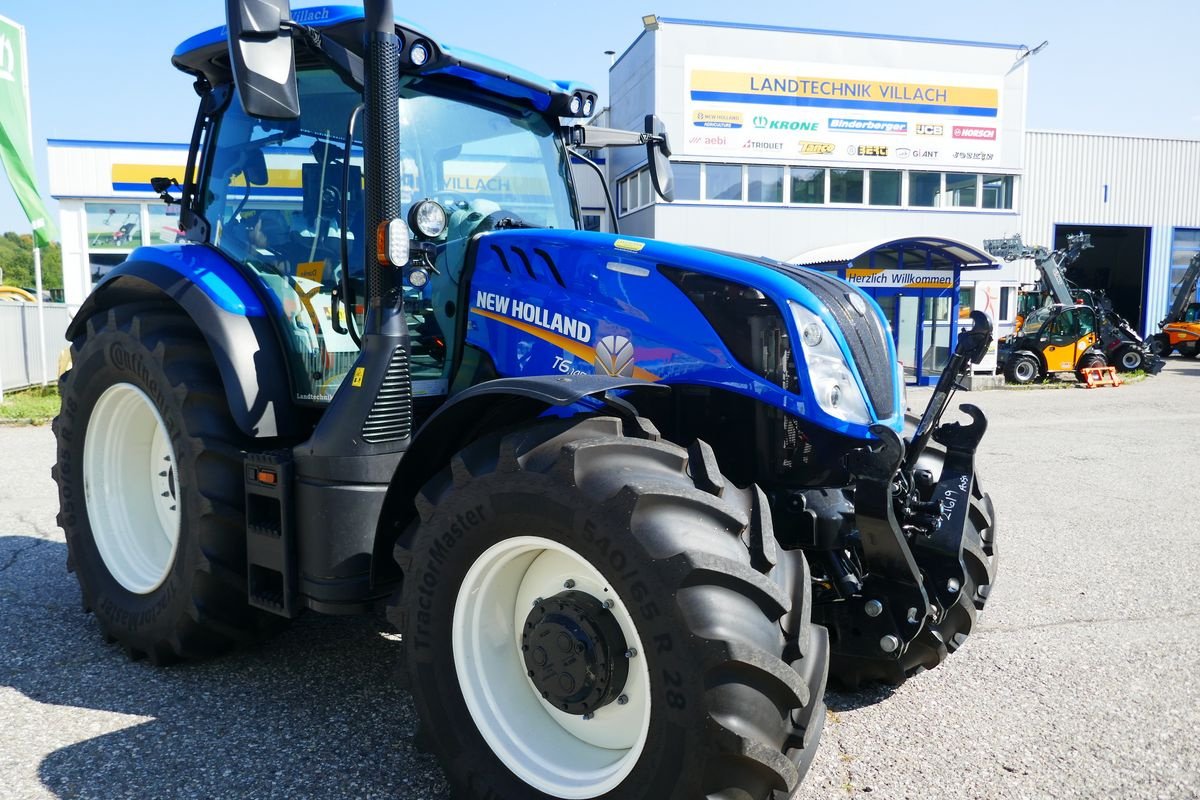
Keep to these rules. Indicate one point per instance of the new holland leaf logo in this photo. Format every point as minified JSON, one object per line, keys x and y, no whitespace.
{"x":8,"y":59}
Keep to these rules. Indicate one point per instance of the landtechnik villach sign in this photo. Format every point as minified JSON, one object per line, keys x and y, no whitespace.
{"x":839,"y":113}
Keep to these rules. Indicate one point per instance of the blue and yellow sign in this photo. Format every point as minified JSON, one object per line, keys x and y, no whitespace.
{"x":843,"y":93}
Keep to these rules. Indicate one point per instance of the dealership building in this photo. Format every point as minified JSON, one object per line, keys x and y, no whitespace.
{"x":888,"y":159}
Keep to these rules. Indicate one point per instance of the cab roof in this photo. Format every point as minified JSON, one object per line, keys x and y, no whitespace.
{"x":207,"y":54}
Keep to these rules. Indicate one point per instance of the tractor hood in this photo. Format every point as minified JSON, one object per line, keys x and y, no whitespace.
{"x":546,"y":301}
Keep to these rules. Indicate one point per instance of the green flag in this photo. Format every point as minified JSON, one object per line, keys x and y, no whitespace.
{"x":16,"y":140}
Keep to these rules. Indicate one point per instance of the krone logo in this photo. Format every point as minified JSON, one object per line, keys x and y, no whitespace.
{"x":614,"y":356}
{"x":8,"y":60}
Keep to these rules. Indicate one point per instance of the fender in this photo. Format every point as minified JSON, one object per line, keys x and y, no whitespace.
{"x":229,"y":312}
{"x":472,"y":414}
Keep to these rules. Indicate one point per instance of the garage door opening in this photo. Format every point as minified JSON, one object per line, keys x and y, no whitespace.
{"x":1116,"y":263}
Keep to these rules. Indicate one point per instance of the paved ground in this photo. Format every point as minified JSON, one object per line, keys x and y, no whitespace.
{"x":1083,"y":680}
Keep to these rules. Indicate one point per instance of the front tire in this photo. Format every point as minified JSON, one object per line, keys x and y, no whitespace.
{"x":721,"y":680}
{"x":150,"y":488}
{"x":1022,"y":369}
{"x":1091,"y":360}
{"x":1129,"y":358}
{"x":1160,"y":345}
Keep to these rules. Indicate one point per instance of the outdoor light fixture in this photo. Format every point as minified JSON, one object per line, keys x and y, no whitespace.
{"x":650,"y":22}
{"x":391,"y":243}
{"x":419,"y":53}
{"x":428,"y":218}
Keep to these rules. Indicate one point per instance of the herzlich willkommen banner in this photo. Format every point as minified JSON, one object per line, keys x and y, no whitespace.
{"x":16,"y":145}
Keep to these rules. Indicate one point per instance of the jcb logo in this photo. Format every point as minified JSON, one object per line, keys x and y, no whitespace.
{"x":924,"y":129}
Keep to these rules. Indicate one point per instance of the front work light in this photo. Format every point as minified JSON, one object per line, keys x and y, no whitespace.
{"x":829,"y":373}
{"x":391,"y":243}
{"x":427,"y":218}
{"x":576,"y":104}
{"x":419,"y":53}
{"x":589,"y":105}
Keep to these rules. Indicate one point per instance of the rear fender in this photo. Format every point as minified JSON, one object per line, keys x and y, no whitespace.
{"x":230,"y":314}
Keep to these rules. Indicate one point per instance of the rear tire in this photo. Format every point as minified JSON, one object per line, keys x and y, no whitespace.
{"x":724,"y":697}
{"x":1091,"y":360}
{"x":1022,"y":369}
{"x":150,"y":488}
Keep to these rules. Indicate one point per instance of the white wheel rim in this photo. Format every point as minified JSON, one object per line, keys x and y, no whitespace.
{"x":131,"y":486}
{"x":560,"y":754}
{"x":1131,"y":360}
{"x":1025,"y":370}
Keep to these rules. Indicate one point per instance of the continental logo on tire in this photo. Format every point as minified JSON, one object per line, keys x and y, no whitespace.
{"x":817,"y":148}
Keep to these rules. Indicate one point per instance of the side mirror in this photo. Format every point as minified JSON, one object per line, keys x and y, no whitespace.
{"x":264,"y":64}
{"x":160,"y":185}
{"x":658,"y":155}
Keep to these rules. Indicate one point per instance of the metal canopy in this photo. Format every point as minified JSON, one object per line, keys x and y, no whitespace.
{"x":909,"y":252}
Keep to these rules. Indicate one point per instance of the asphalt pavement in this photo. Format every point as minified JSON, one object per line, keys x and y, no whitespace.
{"x":1082,"y":679}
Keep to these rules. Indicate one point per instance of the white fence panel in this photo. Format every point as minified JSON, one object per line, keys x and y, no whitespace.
{"x":21,"y":354}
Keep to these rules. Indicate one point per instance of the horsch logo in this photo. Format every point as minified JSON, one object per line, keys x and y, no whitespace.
{"x":969,"y":132}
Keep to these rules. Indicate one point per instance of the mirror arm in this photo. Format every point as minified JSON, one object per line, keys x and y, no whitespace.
{"x":348,"y":65}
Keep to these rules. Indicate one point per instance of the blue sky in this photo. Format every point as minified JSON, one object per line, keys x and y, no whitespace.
{"x":102,"y":70}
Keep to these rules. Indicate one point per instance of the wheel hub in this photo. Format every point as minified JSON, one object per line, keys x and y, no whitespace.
{"x":574,"y":652}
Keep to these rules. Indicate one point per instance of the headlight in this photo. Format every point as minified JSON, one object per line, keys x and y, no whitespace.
{"x":427,"y":218}
{"x":829,"y":374}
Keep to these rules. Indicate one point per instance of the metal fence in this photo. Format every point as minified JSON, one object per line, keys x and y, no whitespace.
{"x":22,"y":356}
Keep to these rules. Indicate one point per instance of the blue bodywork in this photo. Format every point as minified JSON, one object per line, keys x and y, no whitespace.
{"x":530,"y":324}
{"x":489,"y":74}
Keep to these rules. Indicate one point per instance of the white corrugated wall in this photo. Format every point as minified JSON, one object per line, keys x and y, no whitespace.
{"x":1093,"y":179}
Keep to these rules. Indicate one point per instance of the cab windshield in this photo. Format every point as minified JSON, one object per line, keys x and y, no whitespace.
{"x":274,"y":200}
{"x":1035,"y":321}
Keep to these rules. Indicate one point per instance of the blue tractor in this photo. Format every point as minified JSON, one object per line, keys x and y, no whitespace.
{"x":628,"y":503}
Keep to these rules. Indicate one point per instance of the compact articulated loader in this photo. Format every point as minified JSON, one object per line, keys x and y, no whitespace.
{"x":629,"y":503}
{"x":1180,"y":329}
{"x":1072,"y":329}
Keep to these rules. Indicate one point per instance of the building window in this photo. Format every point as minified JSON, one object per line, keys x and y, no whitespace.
{"x":1185,"y":245}
{"x":635,"y":191}
{"x":845,"y":185}
{"x":1006,"y":295}
{"x":623,"y":188}
{"x":164,"y":224}
{"x":645,"y":191}
{"x":591,"y":221}
{"x":764,"y":184}
{"x":924,"y":188}
{"x":113,"y":226}
{"x":808,"y":185}
{"x":961,"y":190}
{"x":997,"y":191}
{"x":722,"y":182}
{"x":687,"y":181}
{"x":885,"y":187}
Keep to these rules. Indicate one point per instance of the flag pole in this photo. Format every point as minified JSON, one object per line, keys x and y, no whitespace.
{"x":41,"y":309}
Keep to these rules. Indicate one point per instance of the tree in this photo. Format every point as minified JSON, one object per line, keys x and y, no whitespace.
{"x":16,"y":260}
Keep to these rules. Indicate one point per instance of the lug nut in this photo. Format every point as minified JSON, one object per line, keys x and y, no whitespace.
{"x":588,"y":715}
{"x":631,"y":652}
{"x":889,"y":644}
{"x":609,"y":603}
{"x":622,"y":700}
{"x":873,"y":608}
{"x":537,"y":601}
{"x":569,"y":583}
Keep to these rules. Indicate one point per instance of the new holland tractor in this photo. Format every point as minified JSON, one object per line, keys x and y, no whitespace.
{"x":628,"y":503}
